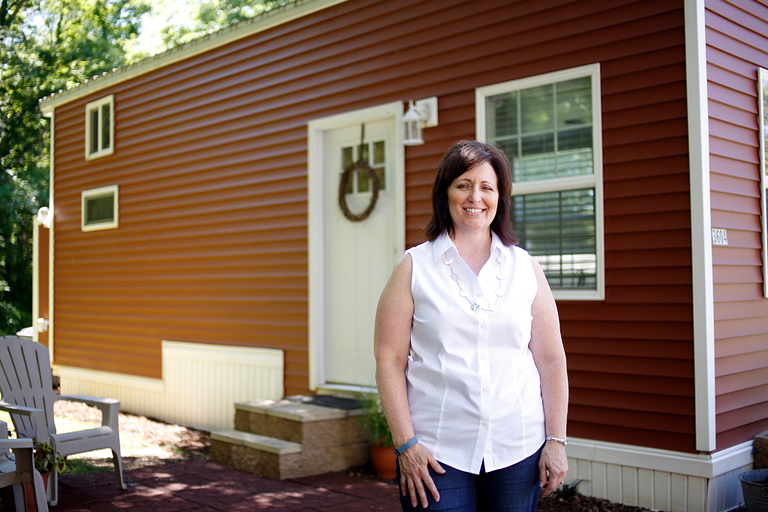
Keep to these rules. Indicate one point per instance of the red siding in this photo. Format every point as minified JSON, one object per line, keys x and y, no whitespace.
{"x":211,"y":157}
{"x":737,"y":44}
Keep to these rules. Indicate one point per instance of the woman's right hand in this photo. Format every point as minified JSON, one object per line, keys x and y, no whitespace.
{"x":414,"y":474}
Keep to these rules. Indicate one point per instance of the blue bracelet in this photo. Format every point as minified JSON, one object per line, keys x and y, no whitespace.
{"x":407,"y":445}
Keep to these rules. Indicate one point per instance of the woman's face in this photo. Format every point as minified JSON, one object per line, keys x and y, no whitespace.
{"x":473,"y":198}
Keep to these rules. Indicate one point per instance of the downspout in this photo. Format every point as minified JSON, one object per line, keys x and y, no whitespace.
{"x":49,"y":113}
{"x":701,"y":225}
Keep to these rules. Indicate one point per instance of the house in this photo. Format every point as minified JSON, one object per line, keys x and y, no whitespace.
{"x":197,"y":254}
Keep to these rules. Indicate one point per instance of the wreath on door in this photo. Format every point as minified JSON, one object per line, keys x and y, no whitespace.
{"x":362,"y":166}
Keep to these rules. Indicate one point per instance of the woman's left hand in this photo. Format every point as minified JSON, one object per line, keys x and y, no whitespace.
{"x":553,"y":465}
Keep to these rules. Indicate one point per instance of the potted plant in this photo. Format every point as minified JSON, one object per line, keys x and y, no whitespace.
{"x":46,"y":460}
{"x":376,"y":430}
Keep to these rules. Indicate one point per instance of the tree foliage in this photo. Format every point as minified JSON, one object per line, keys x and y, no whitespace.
{"x":9,"y":11}
{"x":50,"y":45}
{"x":211,"y":15}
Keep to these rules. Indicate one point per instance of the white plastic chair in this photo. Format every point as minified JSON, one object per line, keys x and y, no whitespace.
{"x":20,"y":468}
{"x":27,"y":394}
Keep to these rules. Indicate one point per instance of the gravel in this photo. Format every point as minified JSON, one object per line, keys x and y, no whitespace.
{"x":147,"y":442}
{"x":143,"y":441}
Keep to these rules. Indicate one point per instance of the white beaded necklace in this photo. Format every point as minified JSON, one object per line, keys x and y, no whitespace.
{"x":474,"y":306}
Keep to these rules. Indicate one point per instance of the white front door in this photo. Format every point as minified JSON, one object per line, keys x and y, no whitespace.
{"x":359,"y":256}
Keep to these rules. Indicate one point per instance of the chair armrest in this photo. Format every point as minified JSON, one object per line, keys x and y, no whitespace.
{"x":109,"y":407}
{"x":37,"y":416}
{"x":15,"y":444}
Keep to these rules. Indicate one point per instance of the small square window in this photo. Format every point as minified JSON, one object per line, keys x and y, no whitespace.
{"x":100,"y":208}
{"x":99,"y":127}
{"x":375,"y":154}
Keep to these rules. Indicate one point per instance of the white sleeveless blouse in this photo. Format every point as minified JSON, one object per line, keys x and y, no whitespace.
{"x":473,"y":388}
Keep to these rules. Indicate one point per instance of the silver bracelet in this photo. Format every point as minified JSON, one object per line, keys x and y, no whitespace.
{"x":562,"y":440}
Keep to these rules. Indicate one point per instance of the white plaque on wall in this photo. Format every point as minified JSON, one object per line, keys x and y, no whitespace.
{"x":719,"y":237}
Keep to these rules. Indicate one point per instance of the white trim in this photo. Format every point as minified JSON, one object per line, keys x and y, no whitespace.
{"x":591,"y":181}
{"x":344,"y":390}
{"x":698,"y":465}
{"x":110,"y":190}
{"x":96,"y":105}
{"x":263,"y":22}
{"x":199,"y":387}
{"x":701,"y":225}
{"x":111,"y":379}
{"x":316,"y":206}
{"x":51,"y":223}
{"x":534,"y":81}
{"x":226,"y":353}
{"x":762,"y":133}
{"x":35,"y":277}
{"x":538,"y":187}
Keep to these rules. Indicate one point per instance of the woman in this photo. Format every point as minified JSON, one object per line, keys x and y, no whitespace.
{"x":469,"y":359}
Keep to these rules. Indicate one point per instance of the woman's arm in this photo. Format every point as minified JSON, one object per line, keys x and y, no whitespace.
{"x":391,"y":344}
{"x":548,"y":353}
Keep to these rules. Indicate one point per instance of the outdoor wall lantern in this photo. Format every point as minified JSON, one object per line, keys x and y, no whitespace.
{"x":421,"y":115}
{"x":43,"y":217}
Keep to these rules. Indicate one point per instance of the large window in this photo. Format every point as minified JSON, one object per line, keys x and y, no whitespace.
{"x":99,"y":127}
{"x":762,"y":123}
{"x":549,"y":127}
{"x":99,"y":208}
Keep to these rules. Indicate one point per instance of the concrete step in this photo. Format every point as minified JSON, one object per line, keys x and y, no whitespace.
{"x":290,"y":439}
{"x":310,"y":425}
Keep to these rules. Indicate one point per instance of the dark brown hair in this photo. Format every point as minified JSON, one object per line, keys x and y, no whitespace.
{"x":461,"y":157}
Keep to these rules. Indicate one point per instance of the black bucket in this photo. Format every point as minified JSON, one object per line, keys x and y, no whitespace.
{"x":754,"y":484}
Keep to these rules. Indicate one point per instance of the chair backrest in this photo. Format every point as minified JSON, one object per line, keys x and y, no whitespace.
{"x":25,"y":379}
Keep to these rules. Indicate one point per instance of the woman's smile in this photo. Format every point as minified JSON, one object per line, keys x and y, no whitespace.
{"x":473,"y":198}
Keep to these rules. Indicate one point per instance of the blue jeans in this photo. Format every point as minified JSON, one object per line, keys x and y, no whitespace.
{"x":515,"y":488}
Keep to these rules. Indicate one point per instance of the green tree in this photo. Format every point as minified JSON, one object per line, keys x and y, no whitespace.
{"x":50,"y":45}
{"x":9,"y":11}
{"x":211,"y":15}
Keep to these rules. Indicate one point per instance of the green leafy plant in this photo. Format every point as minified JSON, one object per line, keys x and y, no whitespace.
{"x":373,"y":422}
{"x":47,"y":458}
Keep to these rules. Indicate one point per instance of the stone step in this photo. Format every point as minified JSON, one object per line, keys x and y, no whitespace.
{"x":257,"y":442}
{"x":252,"y":453}
{"x":310,"y":425}
{"x":290,"y":439}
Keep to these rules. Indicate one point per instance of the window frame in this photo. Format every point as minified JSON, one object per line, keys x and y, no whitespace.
{"x":97,"y":104}
{"x":562,"y":184}
{"x":762,"y":75}
{"x":98,"y":193}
